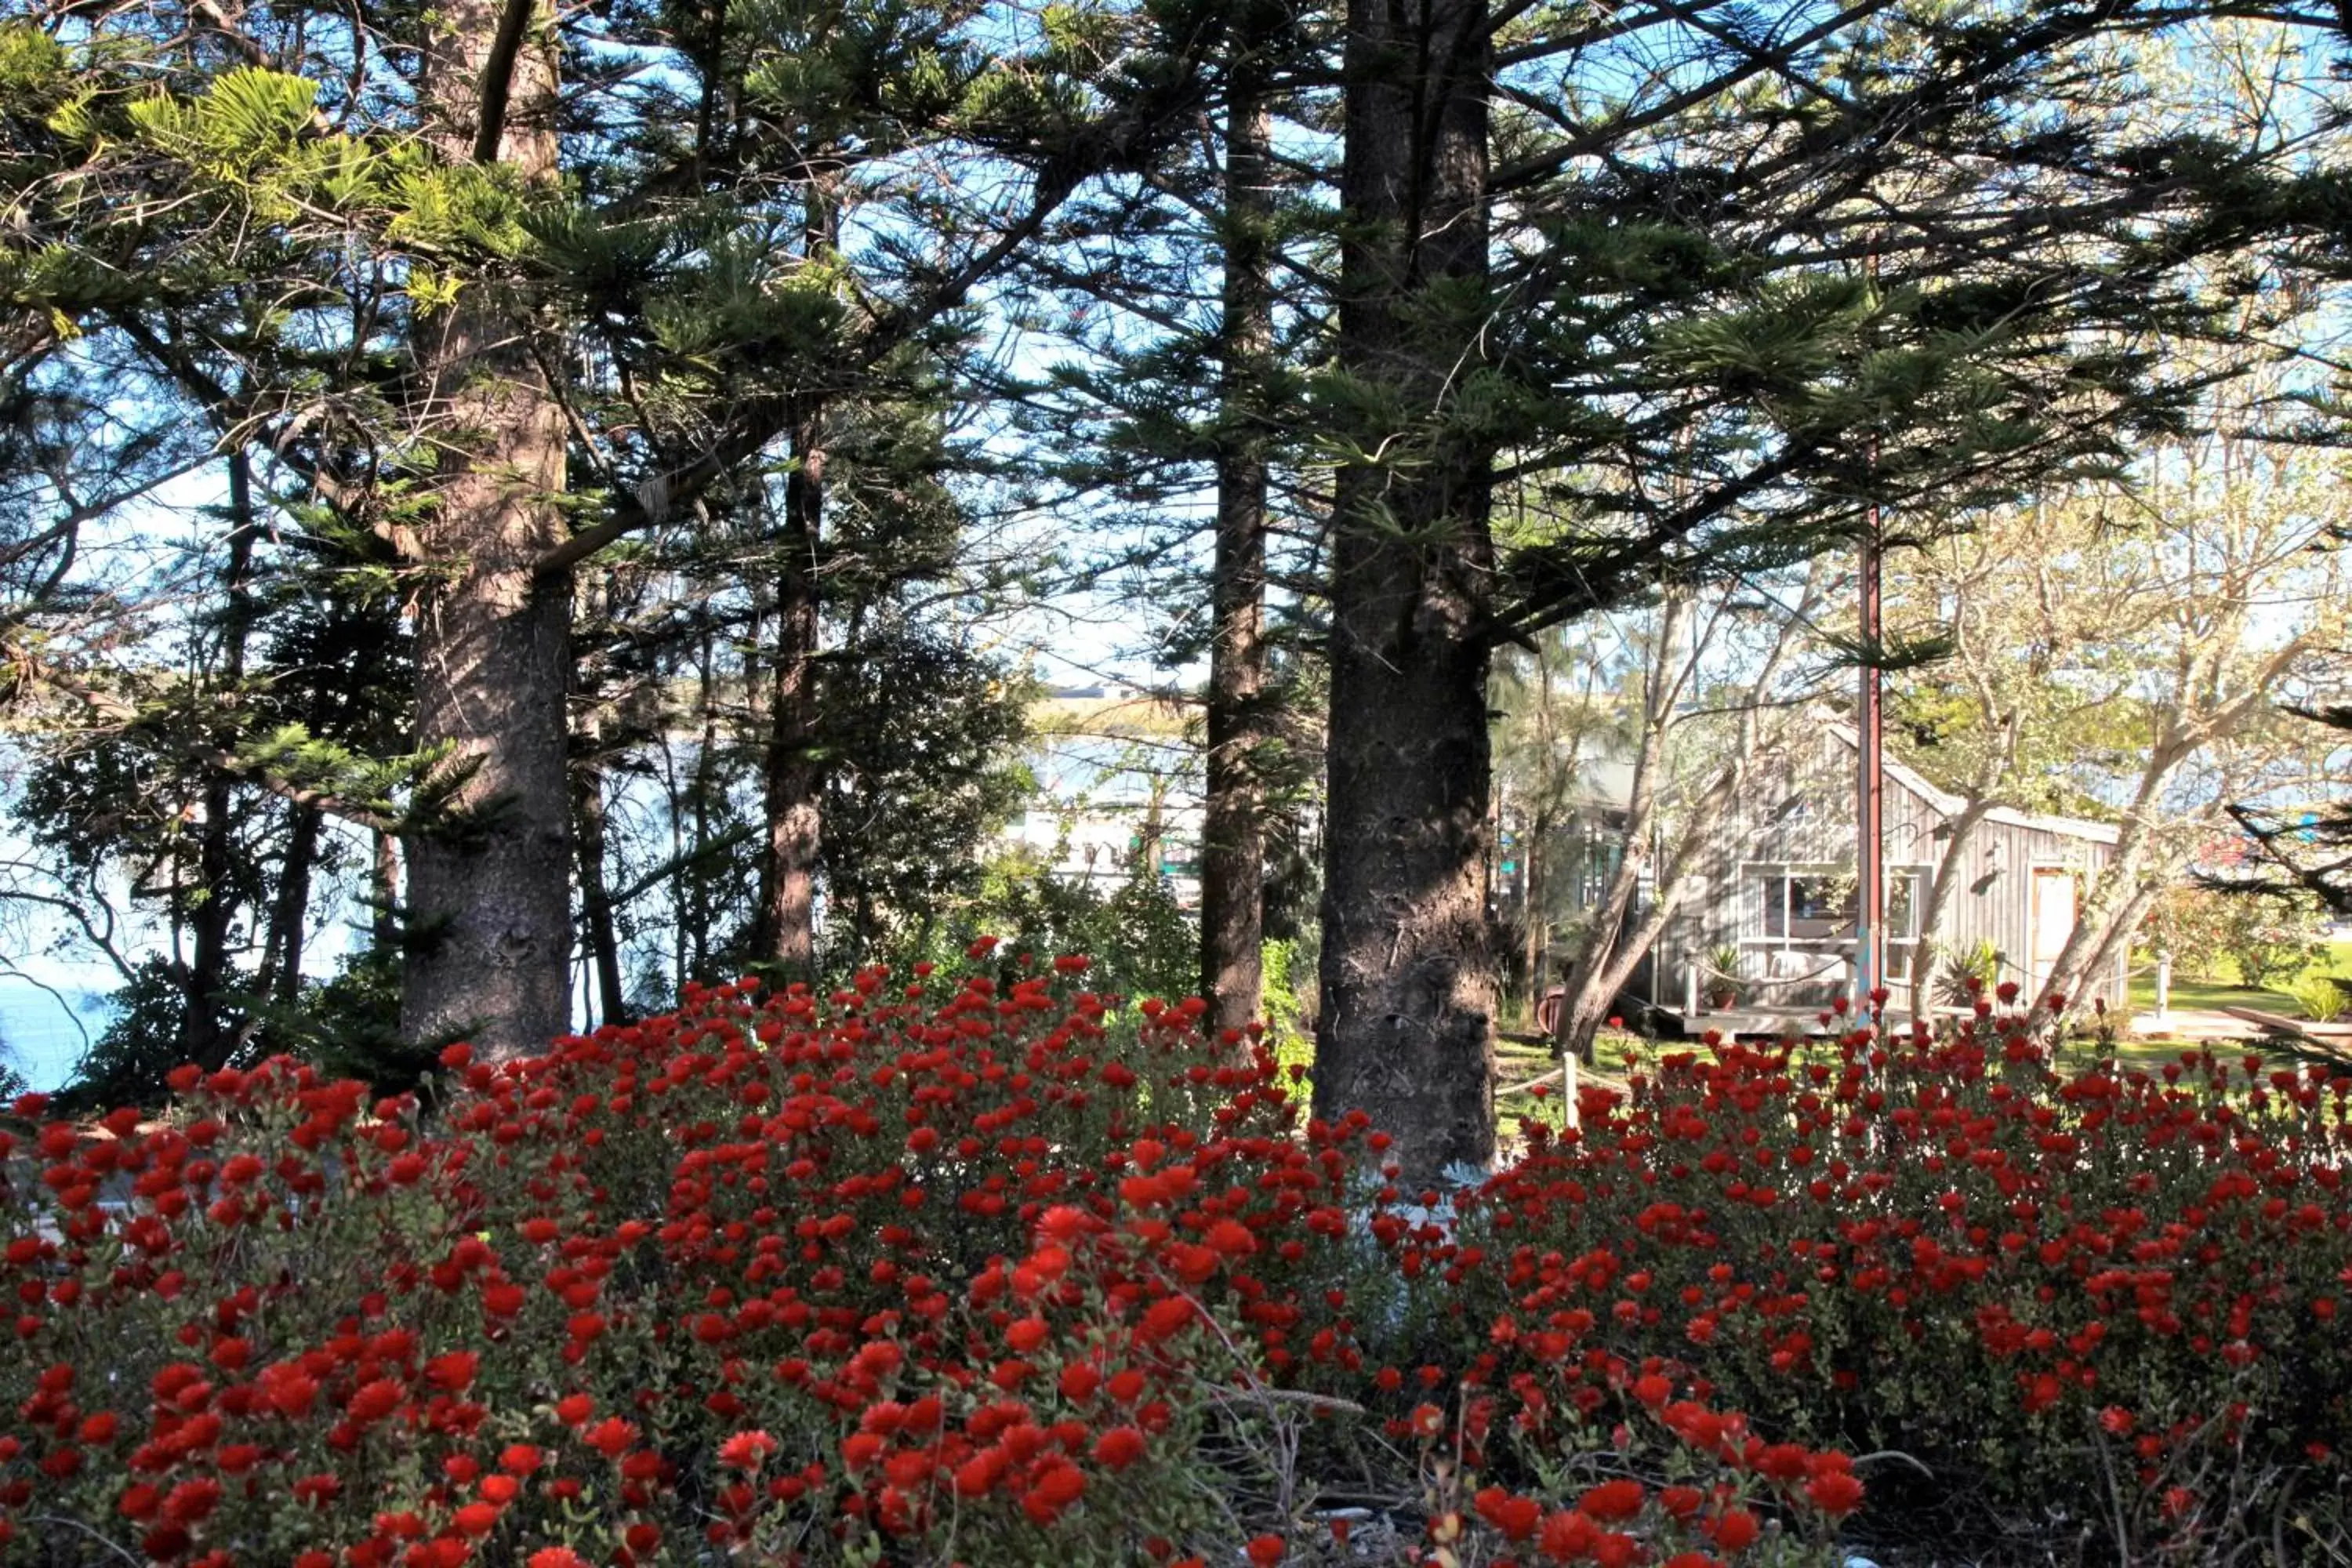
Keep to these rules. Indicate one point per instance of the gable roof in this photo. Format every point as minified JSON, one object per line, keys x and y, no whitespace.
{"x":1952,"y":806}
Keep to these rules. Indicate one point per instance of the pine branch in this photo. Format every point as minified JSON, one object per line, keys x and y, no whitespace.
{"x":497,"y":77}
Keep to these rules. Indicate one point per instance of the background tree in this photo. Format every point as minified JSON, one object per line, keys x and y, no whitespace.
{"x":499,"y":375}
{"x":1722,"y":678}
{"x":1752,"y":281}
{"x":2122,"y":655}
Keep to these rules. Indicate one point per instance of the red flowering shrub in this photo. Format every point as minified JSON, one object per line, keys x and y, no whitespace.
{"x":980,"y":1276}
{"x":985,"y":1276}
{"x":2102,"y":1304}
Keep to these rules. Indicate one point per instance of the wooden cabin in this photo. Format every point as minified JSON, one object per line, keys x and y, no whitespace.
{"x":1778,"y":885}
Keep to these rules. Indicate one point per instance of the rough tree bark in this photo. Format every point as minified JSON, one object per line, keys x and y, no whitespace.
{"x":490,"y":900}
{"x":786,"y":937}
{"x":1407,"y":975}
{"x":1233,"y":833}
{"x":786,"y":929}
{"x":693,"y":956}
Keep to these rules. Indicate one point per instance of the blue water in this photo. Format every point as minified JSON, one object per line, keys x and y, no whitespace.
{"x":37,"y":1036}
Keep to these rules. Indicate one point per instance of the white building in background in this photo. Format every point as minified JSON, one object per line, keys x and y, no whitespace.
{"x":1120,"y":781}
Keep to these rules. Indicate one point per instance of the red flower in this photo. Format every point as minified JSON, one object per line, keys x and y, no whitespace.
{"x":453,"y":1372}
{"x":520,"y":1459}
{"x":1166,"y":1317}
{"x":1265,"y":1551}
{"x":1612,"y":1501}
{"x":1681,"y":1502}
{"x":611,"y":1437}
{"x":192,"y":1501}
{"x":746,"y":1451}
{"x":1737,"y":1530}
{"x":976,"y":1475}
{"x":1835,"y":1493}
{"x":1232,"y":1239}
{"x":1055,"y":1487}
{"x":1566,"y":1536}
{"x":1118,"y":1447}
{"x":1516,"y":1517}
{"x":371,"y":1402}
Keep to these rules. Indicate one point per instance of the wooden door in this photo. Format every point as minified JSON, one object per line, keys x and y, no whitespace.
{"x":2052,"y":922}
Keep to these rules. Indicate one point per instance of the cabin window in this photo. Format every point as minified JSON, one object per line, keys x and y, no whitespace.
{"x":1803,"y":905}
{"x":1800,"y":906}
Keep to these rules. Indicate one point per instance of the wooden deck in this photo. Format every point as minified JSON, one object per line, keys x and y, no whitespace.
{"x":1768,"y":1022}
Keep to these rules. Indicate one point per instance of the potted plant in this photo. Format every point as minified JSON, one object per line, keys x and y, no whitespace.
{"x":1723,"y":976}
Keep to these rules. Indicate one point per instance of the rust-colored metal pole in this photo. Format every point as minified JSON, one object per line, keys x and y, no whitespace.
{"x":1870,"y":894}
{"x":1870,"y":822}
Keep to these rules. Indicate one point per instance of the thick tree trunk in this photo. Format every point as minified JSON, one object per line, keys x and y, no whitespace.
{"x":489,"y":899}
{"x":1407,"y":975}
{"x":1233,"y":833}
{"x":787,"y":926}
{"x":206,"y":1036}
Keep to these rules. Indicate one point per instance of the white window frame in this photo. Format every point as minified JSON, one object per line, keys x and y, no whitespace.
{"x":1756,"y":878}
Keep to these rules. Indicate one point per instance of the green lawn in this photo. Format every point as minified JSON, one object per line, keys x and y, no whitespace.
{"x":2214,"y":994}
{"x":2210,"y":995}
